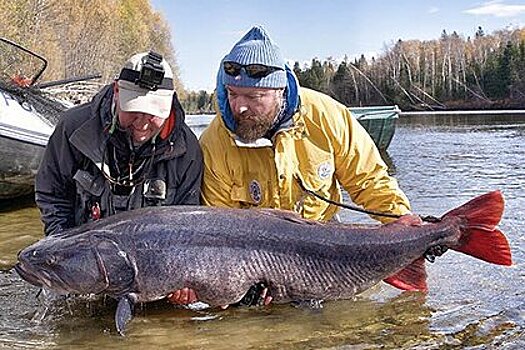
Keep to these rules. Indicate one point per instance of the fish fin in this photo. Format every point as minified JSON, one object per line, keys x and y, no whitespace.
{"x":124,"y":313}
{"x":480,"y":238}
{"x":412,"y":277}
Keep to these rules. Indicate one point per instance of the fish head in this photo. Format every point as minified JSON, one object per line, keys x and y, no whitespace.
{"x":83,"y":264}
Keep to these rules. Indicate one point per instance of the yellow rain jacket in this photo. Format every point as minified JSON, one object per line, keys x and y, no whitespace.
{"x":325,"y":149}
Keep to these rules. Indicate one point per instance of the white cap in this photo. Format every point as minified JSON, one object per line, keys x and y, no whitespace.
{"x":133,"y":98}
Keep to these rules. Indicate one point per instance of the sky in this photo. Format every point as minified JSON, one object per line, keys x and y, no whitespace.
{"x":204,"y":31}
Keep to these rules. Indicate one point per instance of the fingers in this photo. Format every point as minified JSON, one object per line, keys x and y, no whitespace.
{"x":192,"y":296}
{"x":265,"y":297}
{"x":187,"y":296}
{"x":182,"y":296}
{"x":410,"y":220}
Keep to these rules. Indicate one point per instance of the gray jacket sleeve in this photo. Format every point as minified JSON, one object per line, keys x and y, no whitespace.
{"x":190,"y":169}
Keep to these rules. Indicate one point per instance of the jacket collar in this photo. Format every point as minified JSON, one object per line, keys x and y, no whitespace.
{"x":91,"y":137}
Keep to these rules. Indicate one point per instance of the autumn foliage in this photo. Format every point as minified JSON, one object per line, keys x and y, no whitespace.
{"x":81,"y":37}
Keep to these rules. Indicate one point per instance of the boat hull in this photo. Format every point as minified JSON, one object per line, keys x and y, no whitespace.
{"x":23,"y":138}
{"x":19,"y":161}
{"x":379,"y":122}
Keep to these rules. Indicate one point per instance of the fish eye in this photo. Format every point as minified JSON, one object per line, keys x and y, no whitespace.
{"x":51,"y":260}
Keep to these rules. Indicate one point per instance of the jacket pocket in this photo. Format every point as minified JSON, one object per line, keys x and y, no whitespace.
{"x":90,"y":189}
{"x":250,"y":194}
{"x":318,"y":176}
{"x":89,"y":183}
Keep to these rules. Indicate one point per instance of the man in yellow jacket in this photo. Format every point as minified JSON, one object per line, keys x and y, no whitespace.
{"x":271,"y":139}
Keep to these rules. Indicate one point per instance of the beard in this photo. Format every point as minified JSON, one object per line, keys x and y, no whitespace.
{"x":251,"y":127}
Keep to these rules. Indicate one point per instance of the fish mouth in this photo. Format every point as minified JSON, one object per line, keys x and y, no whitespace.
{"x":27,"y":275}
{"x":41,"y":278}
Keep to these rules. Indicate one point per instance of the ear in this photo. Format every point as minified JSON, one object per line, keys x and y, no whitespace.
{"x":116,"y":95}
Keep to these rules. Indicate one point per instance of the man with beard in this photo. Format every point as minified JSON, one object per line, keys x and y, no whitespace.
{"x":127,"y":148}
{"x":272,"y":140}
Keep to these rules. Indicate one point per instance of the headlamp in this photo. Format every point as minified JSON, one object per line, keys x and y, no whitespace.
{"x":152,"y":72}
{"x":150,"y":76}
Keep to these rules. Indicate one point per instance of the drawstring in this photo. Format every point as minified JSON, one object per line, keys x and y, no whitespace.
{"x":427,"y":218}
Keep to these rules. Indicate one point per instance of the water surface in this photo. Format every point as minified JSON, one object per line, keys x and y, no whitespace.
{"x":439,"y":162}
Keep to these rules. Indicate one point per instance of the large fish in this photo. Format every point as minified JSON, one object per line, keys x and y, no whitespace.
{"x":143,"y":255}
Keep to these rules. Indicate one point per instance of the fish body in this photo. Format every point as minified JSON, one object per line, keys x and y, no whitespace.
{"x":143,"y":255}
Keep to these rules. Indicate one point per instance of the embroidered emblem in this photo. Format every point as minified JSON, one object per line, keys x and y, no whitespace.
{"x":324,"y":171}
{"x":255,"y":191}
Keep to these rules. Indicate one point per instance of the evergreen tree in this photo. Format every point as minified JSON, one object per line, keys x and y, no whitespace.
{"x":480,"y":33}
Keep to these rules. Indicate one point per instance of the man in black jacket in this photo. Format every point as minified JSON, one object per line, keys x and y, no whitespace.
{"x":127,"y":148}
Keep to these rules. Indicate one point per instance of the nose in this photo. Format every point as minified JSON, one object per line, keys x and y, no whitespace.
{"x":142,"y":121}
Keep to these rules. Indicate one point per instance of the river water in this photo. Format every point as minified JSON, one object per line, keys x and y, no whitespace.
{"x":440,"y":162}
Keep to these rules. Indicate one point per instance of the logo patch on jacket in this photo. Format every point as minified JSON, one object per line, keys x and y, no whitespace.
{"x":255,"y":191}
{"x":325,"y":170}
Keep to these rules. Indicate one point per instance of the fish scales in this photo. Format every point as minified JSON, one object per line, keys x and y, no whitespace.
{"x":143,"y":255}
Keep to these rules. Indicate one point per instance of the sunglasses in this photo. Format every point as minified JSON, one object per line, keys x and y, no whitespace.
{"x":256,"y":71}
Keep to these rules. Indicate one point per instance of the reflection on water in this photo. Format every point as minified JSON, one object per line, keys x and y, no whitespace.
{"x":439,"y":162}
{"x":19,"y":226}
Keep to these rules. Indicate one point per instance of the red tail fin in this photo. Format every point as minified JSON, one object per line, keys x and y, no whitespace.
{"x":412,"y":277}
{"x":480,"y":238}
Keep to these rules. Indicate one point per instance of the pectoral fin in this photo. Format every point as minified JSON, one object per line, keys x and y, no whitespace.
{"x":124,"y":312}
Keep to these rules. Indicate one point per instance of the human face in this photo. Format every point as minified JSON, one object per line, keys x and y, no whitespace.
{"x":254,"y":110}
{"x":141,"y":126}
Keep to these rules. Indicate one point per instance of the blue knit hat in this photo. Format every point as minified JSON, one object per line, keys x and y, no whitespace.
{"x":256,"y":47}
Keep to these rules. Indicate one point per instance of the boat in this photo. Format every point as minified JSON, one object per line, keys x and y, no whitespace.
{"x":29,"y":112}
{"x":23,"y":138}
{"x":24,"y":130}
{"x":379,"y":122}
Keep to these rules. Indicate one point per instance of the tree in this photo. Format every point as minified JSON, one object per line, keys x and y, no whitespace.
{"x":480,"y":33}
{"x":81,"y":37}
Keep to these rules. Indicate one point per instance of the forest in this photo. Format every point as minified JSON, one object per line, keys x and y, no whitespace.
{"x":79,"y":37}
{"x":453,"y":71}
{"x":448,"y":73}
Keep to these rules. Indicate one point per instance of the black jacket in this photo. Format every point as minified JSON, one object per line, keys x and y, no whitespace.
{"x":70,"y":187}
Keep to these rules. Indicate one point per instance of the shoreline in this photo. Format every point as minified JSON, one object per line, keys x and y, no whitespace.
{"x":492,"y":112}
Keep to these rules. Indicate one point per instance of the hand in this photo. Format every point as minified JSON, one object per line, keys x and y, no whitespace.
{"x":410,"y":220}
{"x":257,"y":295}
{"x":182,"y":296}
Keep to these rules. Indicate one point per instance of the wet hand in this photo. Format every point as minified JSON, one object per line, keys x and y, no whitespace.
{"x":410,"y":220}
{"x":182,"y":296}
{"x":257,"y":295}
{"x":266,"y":297}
